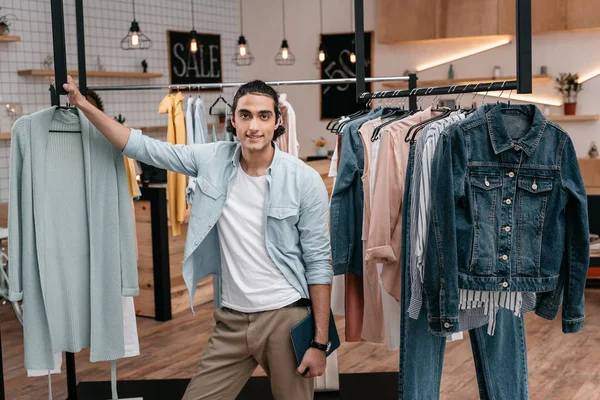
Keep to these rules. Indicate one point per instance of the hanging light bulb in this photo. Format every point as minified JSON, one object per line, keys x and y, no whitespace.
{"x":193,"y":34}
{"x":284,"y":50}
{"x":135,"y":39}
{"x":322,"y":55}
{"x":284,"y":56}
{"x":193,"y":42}
{"x":353,"y":57}
{"x":243,"y":57}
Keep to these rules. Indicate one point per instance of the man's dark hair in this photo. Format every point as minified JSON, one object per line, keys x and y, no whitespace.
{"x":261,"y":89}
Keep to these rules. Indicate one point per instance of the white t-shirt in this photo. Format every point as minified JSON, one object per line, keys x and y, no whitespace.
{"x":251,"y":280}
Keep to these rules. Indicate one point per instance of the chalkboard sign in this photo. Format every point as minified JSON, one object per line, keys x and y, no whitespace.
{"x":186,"y":67}
{"x":338,"y":100}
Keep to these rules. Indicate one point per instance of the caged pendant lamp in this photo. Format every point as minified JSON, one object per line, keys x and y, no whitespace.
{"x":135,"y":39}
{"x":243,"y":57}
{"x":284,"y":56}
{"x":321,"y":55}
{"x":193,"y":33}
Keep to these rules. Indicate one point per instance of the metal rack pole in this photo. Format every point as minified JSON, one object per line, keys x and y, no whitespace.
{"x":198,"y":86}
{"x":2,"y":394}
{"x":482,"y":87}
{"x":80,"y":47}
{"x":359,"y":44}
{"x":58,"y":41}
{"x":412,"y":84}
{"x":524,"y":74}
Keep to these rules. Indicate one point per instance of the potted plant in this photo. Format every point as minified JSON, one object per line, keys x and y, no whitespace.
{"x":5,"y":24}
{"x":321,"y":147}
{"x":568,"y":86}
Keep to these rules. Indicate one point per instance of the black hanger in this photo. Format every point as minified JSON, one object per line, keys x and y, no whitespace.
{"x":398,"y":114}
{"x":68,"y":107}
{"x":335,"y":126}
{"x":413,"y":130}
{"x":220,"y":98}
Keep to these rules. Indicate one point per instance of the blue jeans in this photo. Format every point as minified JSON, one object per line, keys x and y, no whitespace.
{"x":500,"y":360}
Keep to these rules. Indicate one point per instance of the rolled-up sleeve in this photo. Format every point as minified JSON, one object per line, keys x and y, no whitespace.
{"x":314,"y":230}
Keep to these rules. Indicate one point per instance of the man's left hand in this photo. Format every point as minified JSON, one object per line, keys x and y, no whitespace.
{"x":315,"y":360}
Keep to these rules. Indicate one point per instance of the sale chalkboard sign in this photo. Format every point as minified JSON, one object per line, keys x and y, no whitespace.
{"x":339,"y":100}
{"x":203,"y":66}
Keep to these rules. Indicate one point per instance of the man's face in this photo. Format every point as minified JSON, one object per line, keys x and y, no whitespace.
{"x":254,"y":121}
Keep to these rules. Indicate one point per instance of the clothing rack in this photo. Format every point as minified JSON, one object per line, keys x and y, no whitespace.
{"x":523,"y":84}
{"x":203,"y":86}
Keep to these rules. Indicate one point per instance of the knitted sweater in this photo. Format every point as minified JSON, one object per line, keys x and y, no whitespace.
{"x":71,"y":239}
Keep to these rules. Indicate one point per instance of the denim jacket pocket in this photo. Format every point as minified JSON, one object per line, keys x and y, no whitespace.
{"x":486,"y":194}
{"x":281,"y":225}
{"x":532,"y":200}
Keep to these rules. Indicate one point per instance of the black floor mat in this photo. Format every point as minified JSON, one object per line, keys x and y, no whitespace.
{"x":367,"y":386}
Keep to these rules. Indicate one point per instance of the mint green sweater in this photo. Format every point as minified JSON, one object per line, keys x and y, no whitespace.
{"x":71,"y":238}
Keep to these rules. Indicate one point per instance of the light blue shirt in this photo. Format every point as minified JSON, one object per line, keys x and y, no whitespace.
{"x":296,"y":210}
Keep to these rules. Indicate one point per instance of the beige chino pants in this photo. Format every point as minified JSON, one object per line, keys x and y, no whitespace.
{"x":242,"y":341}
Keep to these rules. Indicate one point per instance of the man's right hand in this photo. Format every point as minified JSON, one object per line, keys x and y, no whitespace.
{"x":73,"y":93}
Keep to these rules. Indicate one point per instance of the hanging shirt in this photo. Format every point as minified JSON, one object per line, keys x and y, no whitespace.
{"x":214,"y":134}
{"x":288,"y":142}
{"x":200,"y":128}
{"x":176,"y":183}
{"x":383,"y":244}
{"x":189,"y":122}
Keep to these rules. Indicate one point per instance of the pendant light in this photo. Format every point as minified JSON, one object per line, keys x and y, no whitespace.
{"x":352,"y":54}
{"x":284,"y":56}
{"x":135,"y":39}
{"x":193,"y":33}
{"x":243,"y":57}
{"x":322,"y":55}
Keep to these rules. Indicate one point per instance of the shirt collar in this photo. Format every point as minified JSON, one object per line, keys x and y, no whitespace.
{"x":237,"y":153}
{"x":501,"y":140}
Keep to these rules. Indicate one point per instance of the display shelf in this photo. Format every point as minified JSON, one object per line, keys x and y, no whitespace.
{"x":97,"y":74}
{"x":5,"y":136}
{"x":573,"y":118}
{"x":460,"y":81}
{"x":10,"y":38}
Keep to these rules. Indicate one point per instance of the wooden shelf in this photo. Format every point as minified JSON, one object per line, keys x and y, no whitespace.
{"x":5,"y":136}
{"x":98,"y":74}
{"x":10,"y":38}
{"x":573,"y":118}
{"x":463,"y":81}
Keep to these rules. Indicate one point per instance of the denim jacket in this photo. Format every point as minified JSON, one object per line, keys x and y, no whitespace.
{"x":509,"y":213}
{"x":296,"y":210}
{"x":347,"y":201}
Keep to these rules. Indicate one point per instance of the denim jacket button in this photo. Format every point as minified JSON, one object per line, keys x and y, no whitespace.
{"x":508,"y":201}
{"x":507,"y":228}
{"x":511,"y":174}
{"x":447,"y":325}
{"x":504,"y":284}
{"x":504,"y":257}
{"x":516,"y":148}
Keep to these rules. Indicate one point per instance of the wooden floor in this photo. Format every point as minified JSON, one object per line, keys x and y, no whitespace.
{"x":560,"y":366}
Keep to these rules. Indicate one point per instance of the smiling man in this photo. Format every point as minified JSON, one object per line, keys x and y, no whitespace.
{"x":259,"y":223}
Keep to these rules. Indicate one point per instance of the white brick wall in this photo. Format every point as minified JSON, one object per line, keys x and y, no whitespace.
{"x":106,"y":23}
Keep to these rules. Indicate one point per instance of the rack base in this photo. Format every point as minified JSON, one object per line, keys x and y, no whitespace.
{"x":380,"y":386}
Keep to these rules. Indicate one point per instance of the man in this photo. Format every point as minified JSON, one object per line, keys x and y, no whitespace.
{"x":259,"y":223}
